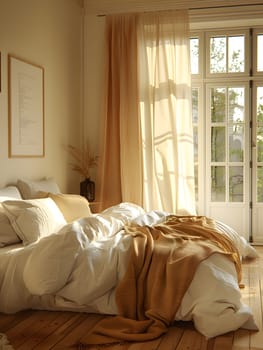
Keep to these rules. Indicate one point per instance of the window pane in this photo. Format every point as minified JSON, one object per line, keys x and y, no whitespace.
{"x":218,"y":105}
{"x":218,"y":55}
{"x":260,"y":184}
{"x":260,"y":144}
{"x":218,"y":184}
{"x":195,"y":121}
{"x":236,"y":54}
{"x":236,"y":184}
{"x":195,"y":105}
{"x":236,"y":104}
{"x":218,"y":144}
{"x":260,"y":53}
{"x":194,"y":50}
{"x":195,"y":135}
{"x":196,"y":182}
{"x":260,"y":104}
{"x":236,"y":141}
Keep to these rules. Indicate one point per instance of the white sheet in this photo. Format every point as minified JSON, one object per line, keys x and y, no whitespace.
{"x":87,"y":258}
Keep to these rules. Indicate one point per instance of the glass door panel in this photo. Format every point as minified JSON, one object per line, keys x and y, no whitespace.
{"x":218,"y":183}
{"x":260,"y":52}
{"x":236,"y":188}
{"x":257,"y":169}
{"x":259,"y":142}
{"x":228,"y":160}
{"x":227,"y":143}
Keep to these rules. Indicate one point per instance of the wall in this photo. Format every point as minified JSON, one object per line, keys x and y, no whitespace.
{"x":48,"y":33}
{"x":94,"y":63}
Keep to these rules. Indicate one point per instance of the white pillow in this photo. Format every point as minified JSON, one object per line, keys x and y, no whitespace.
{"x":34,"y":219}
{"x":30,"y":189}
{"x":7,"y":233}
{"x":10,"y":192}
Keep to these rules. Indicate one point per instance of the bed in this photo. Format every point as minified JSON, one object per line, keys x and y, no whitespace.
{"x":56,"y":255}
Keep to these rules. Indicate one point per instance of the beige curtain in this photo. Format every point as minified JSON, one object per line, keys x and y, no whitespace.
{"x":120,"y":175}
{"x":148,"y":149}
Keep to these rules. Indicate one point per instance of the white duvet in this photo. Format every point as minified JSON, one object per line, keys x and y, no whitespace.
{"x":79,"y":267}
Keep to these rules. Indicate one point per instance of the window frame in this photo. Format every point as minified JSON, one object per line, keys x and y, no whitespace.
{"x":229,"y":33}
{"x":255,"y":32}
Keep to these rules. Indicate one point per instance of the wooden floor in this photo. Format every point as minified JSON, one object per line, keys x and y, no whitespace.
{"x":63,"y":330}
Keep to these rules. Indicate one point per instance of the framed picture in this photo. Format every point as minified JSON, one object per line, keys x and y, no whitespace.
{"x":0,"y":73}
{"x":26,"y":109}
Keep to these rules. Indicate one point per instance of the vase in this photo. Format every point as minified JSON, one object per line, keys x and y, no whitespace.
{"x":87,"y":189}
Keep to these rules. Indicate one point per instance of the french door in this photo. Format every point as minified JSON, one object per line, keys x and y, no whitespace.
{"x":227,"y":100}
{"x":228,"y":155}
{"x":233,"y":150}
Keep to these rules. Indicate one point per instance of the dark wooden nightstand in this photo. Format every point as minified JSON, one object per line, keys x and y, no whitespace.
{"x":94,"y":207}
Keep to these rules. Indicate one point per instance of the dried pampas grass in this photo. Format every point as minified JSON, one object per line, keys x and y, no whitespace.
{"x":83,"y":159}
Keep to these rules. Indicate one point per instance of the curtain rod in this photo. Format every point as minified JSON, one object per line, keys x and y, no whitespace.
{"x":199,"y":8}
{"x":222,"y":6}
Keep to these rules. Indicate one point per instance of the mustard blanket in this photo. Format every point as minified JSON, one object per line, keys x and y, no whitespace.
{"x":163,"y":261}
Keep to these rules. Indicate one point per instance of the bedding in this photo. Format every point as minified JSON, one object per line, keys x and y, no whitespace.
{"x":9,"y":192}
{"x":84,"y":265}
{"x":72,"y":206}
{"x":33,"y":219}
{"x":30,"y":189}
{"x":7,"y":233}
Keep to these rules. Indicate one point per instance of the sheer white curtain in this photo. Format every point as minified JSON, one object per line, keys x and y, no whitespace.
{"x":165,"y":112}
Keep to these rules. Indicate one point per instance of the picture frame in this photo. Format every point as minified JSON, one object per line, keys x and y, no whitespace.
{"x":26,"y":108}
{"x":0,"y":73}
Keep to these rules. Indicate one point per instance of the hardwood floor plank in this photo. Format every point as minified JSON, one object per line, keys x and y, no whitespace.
{"x":40,"y":329}
{"x":245,"y":283}
{"x":254,"y":295}
{"x":42,"y":338}
{"x":256,"y":338}
{"x":171,"y":339}
{"x":64,"y":322}
{"x":204,"y":343}
{"x":149,"y":345}
{"x":255,"y":302}
{"x":29,"y":328}
{"x":190,"y":339}
{"x":73,"y":338}
{"x":8,"y":321}
{"x":241,"y":339}
{"x":210,"y":344}
{"x":125,"y":346}
{"x":224,"y":341}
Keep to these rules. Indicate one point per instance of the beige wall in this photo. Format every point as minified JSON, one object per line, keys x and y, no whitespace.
{"x":48,"y":33}
{"x":94,"y":82}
